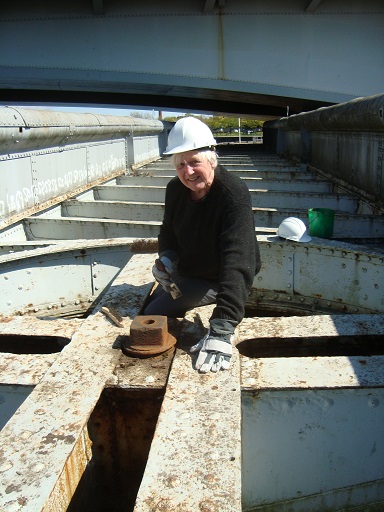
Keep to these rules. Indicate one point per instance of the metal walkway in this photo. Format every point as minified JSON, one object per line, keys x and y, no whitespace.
{"x":132,"y":205}
{"x":306,"y":384}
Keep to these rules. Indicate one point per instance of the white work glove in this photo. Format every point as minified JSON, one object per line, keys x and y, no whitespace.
{"x":164,"y":271}
{"x":163,"y":276}
{"x":215,"y":351}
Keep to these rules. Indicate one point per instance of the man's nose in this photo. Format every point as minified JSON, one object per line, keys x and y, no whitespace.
{"x":189,"y":169}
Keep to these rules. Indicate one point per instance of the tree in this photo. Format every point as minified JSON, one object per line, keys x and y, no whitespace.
{"x":224,"y":125}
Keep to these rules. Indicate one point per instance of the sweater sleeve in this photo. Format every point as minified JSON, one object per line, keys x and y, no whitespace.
{"x":167,"y":238}
{"x":240,"y":261}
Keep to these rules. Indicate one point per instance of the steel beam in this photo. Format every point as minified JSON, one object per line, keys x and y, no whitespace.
{"x":53,"y":419}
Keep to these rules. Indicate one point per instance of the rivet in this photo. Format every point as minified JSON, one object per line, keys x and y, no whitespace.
{"x":289,"y":285}
{"x":365,"y":297}
{"x":90,"y":299}
{"x":289,"y":272}
{"x":289,"y":259}
{"x":94,"y":275}
{"x":20,"y":287}
{"x":376,"y":286}
{"x":36,"y":309}
{"x":6,"y":278}
{"x":364,"y":270}
{"x":96,"y":287}
{"x":77,"y":302}
{"x":289,"y":298}
{"x":62,"y":304}
{"x":302,"y":299}
{"x":343,"y":265}
{"x":50,"y":307}
{"x":259,"y":278}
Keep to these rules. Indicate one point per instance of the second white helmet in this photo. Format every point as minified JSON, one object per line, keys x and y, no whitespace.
{"x":294,"y":229}
{"x":189,"y":133}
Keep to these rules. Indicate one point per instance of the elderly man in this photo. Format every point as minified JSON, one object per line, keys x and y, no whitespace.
{"x":208,"y":251}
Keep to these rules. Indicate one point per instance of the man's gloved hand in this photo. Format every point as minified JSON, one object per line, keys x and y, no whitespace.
{"x":215,"y":351}
{"x":162,"y":276}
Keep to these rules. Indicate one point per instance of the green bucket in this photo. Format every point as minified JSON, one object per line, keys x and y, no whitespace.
{"x":321,"y":222}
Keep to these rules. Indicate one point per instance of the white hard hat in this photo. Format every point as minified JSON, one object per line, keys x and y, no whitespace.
{"x":189,"y":133}
{"x":293,"y":229}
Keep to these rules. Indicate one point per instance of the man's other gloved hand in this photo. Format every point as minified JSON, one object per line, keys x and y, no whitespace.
{"x":215,"y":351}
{"x":162,"y":277}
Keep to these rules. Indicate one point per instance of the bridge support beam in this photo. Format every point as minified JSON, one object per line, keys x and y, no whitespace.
{"x":344,"y":141}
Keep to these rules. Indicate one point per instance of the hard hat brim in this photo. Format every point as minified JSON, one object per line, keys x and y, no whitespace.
{"x":305,"y":238}
{"x":186,"y":147}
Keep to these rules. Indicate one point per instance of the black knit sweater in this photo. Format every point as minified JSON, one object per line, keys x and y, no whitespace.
{"x":214,"y":239}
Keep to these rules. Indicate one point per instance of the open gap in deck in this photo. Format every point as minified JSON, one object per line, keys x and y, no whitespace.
{"x":367,"y":345}
{"x":24,"y":344}
{"x":121,"y":429}
{"x":276,"y":310}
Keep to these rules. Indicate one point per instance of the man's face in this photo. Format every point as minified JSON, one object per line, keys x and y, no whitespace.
{"x":195,"y":172}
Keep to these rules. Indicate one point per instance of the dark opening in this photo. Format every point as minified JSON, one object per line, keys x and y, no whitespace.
{"x":311,"y":347}
{"x":22,"y":344}
{"x":276,"y":310}
{"x":121,"y":429}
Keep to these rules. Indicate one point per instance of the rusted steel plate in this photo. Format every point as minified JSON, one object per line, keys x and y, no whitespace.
{"x":312,"y":372}
{"x":311,"y":326}
{"x":28,"y":369}
{"x":53,"y":418}
{"x":195,"y":457}
{"x":338,"y":371}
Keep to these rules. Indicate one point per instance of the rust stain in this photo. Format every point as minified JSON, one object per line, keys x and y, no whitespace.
{"x":144,"y":245}
{"x":5,"y":319}
{"x":53,"y":438}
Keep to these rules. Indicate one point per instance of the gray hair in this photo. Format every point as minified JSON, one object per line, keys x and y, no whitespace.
{"x":207,"y":154}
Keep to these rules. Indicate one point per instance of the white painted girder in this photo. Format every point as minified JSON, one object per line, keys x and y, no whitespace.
{"x":45,"y":447}
{"x":311,"y":372}
{"x":195,"y":457}
{"x":252,"y":52}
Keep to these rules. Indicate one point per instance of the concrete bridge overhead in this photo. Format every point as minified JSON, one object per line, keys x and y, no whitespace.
{"x":248,"y":57}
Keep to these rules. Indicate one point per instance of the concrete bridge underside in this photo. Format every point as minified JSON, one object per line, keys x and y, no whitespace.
{"x":251,"y":58}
